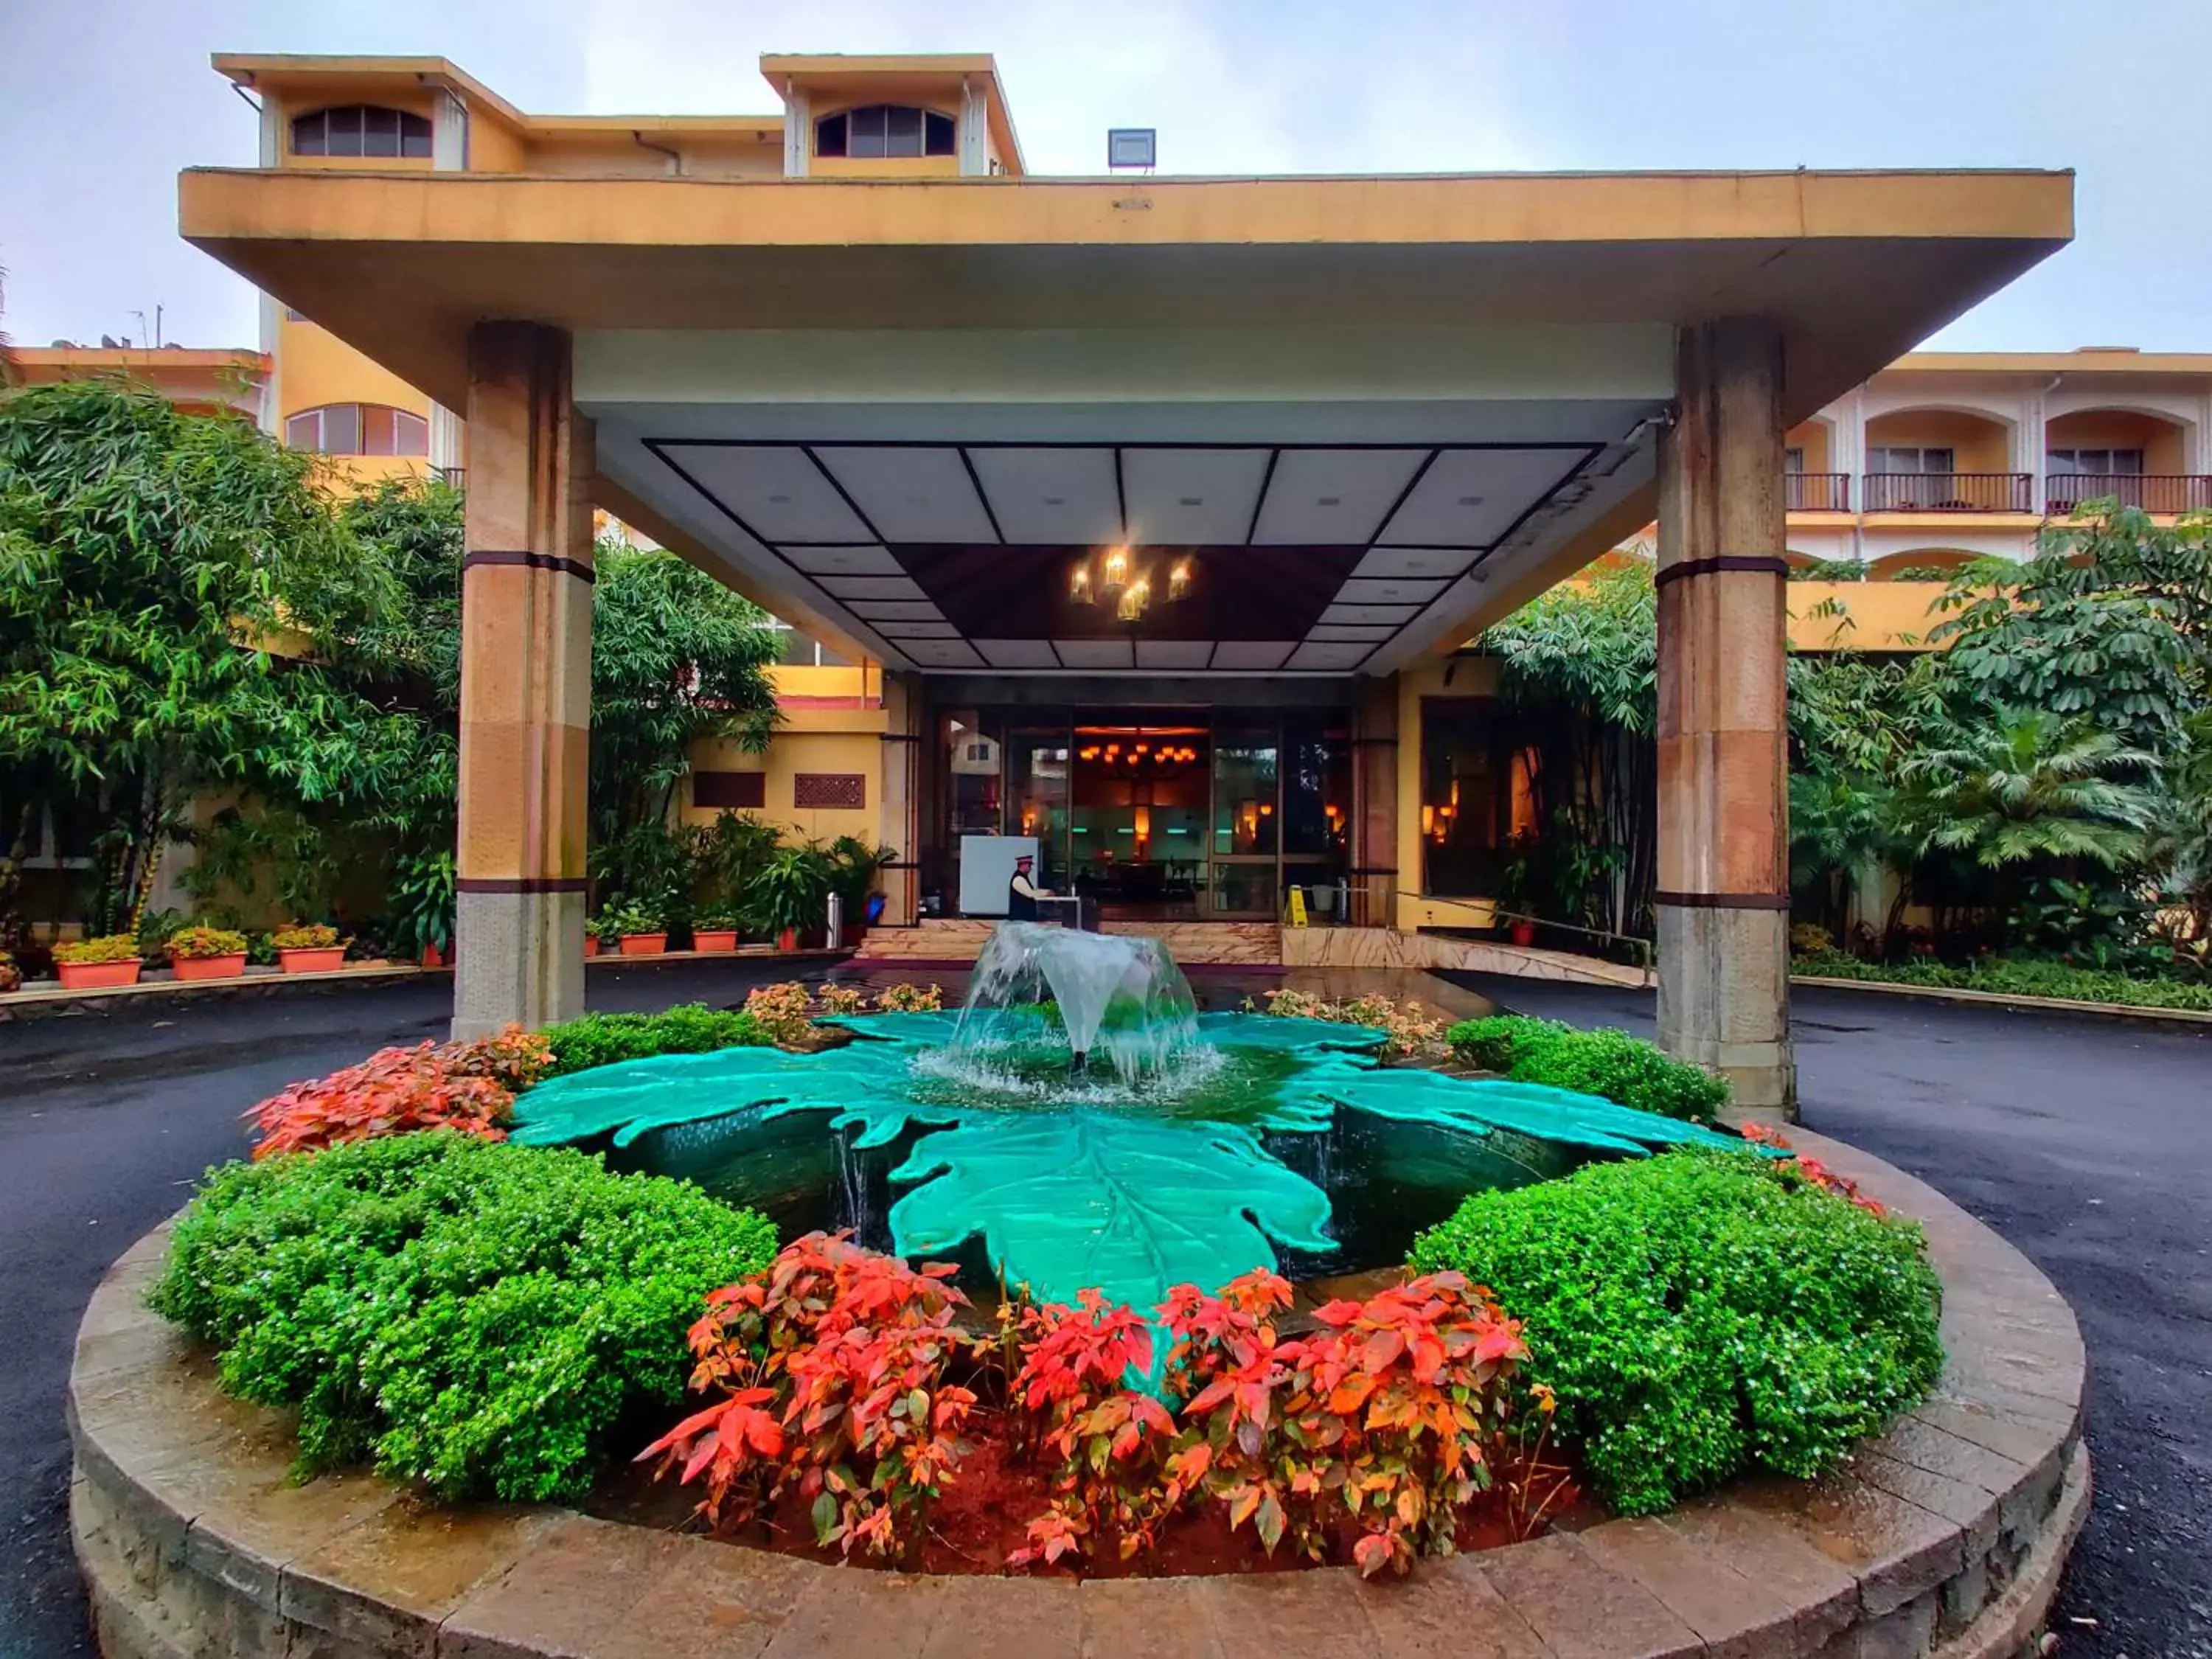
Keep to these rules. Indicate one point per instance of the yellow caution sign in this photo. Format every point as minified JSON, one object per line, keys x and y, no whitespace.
{"x":1298,"y":906}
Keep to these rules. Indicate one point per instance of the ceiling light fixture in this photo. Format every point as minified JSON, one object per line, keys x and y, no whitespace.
{"x":1122,"y":575}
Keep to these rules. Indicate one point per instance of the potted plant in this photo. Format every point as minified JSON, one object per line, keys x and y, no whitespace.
{"x":12,"y":976}
{"x":1515,"y":883}
{"x":641,"y":930}
{"x":423,"y":898}
{"x":854,"y":866}
{"x":308,"y":948}
{"x":793,"y":891}
{"x":715,"y":931}
{"x":205,"y":952}
{"x":91,"y":964}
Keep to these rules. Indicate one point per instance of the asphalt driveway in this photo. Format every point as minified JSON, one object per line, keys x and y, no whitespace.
{"x":2089,"y":1145}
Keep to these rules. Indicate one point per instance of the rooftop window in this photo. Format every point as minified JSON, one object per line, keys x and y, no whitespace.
{"x":877,"y":130}
{"x":361,"y":130}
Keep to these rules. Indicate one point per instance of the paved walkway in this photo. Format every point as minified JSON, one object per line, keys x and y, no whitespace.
{"x":2089,"y":1145}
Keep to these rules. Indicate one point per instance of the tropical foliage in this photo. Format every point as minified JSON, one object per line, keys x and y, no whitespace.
{"x":188,"y":608}
{"x":2039,"y":785}
{"x":1611,"y":1065}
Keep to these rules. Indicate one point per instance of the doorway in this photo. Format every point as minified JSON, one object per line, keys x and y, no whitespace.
{"x":1137,"y":825}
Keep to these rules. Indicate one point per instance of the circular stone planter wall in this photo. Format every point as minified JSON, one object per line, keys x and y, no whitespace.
{"x":1945,"y":1537}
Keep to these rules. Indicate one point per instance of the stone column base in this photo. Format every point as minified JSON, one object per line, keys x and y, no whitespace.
{"x":524,"y":961}
{"x":1724,"y":1002}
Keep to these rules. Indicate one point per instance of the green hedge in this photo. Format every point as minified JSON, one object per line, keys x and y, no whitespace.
{"x":470,"y":1314}
{"x":691,"y":1027}
{"x":1698,"y":1312}
{"x":2018,"y":977}
{"x":1610,"y":1064}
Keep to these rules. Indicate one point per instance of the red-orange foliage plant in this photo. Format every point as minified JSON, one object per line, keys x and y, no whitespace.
{"x":467,"y":1087}
{"x":1811,"y":1171}
{"x":1110,"y":1439}
{"x":831,"y":1369}
{"x":1381,"y":1423}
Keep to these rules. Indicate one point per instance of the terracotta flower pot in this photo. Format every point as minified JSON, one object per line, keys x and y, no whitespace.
{"x":434,"y":957}
{"x":787,"y":940}
{"x":1523,"y":933}
{"x":644,"y":944}
{"x":591,"y":944}
{"x":312,"y":959}
{"x":98,"y":976}
{"x":190,"y":968}
{"x":715,"y":939}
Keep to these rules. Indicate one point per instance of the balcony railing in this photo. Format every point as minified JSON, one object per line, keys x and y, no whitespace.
{"x":1817,"y":492}
{"x":1948,"y":492}
{"x":2153,"y":492}
{"x":458,"y":477}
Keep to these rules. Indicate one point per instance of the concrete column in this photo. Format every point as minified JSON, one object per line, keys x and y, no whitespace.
{"x":900,"y":820}
{"x":526,"y":685}
{"x":1723,"y":888}
{"x":1374,"y":873}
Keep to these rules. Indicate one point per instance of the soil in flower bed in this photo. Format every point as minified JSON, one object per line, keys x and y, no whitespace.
{"x":983,"y":1516}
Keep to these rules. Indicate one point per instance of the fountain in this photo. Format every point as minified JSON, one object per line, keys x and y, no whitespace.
{"x":1123,"y":991}
{"x":1079,"y":1125}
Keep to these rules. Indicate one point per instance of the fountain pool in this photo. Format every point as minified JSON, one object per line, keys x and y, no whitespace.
{"x":1079,"y":1124}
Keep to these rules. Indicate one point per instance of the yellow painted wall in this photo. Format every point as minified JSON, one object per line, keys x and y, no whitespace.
{"x":809,"y":740}
{"x":617,"y":155}
{"x":2161,"y":441}
{"x":886,"y":167}
{"x":1812,"y":437}
{"x":1978,"y":445}
{"x":1874,"y":616}
{"x":494,"y":146}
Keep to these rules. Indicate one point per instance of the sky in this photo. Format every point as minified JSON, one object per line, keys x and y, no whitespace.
{"x":108,"y":99}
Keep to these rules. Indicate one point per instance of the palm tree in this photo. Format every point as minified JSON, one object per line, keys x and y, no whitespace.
{"x":1840,"y":826}
{"x":2031,"y":786}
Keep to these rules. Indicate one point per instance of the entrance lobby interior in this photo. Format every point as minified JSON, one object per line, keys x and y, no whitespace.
{"x":1154,"y":813}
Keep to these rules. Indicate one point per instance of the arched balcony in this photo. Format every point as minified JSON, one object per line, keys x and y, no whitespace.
{"x":2135,"y":457}
{"x":1942,"y":460}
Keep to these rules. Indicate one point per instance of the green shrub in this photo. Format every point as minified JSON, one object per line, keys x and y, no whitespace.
{"x":1498,"y":1042}
{"x":1612,"y":1065}
{"x":691,"y":1028}
{"x":474,"y":1316}
{"x":1695,"y":1313}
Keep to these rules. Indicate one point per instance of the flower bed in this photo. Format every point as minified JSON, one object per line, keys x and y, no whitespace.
{"x":2026,"y":978}
{"x":485,"y":1320}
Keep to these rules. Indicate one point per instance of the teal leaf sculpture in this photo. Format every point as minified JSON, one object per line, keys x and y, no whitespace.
{"x":1095,"y":1200}
{"x":1069,"y":1184}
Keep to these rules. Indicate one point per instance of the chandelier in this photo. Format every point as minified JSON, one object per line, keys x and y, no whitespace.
{"x":1116,"y":576}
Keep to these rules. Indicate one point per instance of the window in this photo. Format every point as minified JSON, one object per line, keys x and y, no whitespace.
{"x":802,"y":651}
{"x":884,"y":129}
{"x":1793,"y":458}
{"x":1910,"y":459}
{"x":358,"y":429}
{"x":361,"y":130}
{"x":2099,"y":462}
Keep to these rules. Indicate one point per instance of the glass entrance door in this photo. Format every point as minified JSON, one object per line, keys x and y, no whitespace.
{"x":1247,"y":808}
{"x":1137,"y":820}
